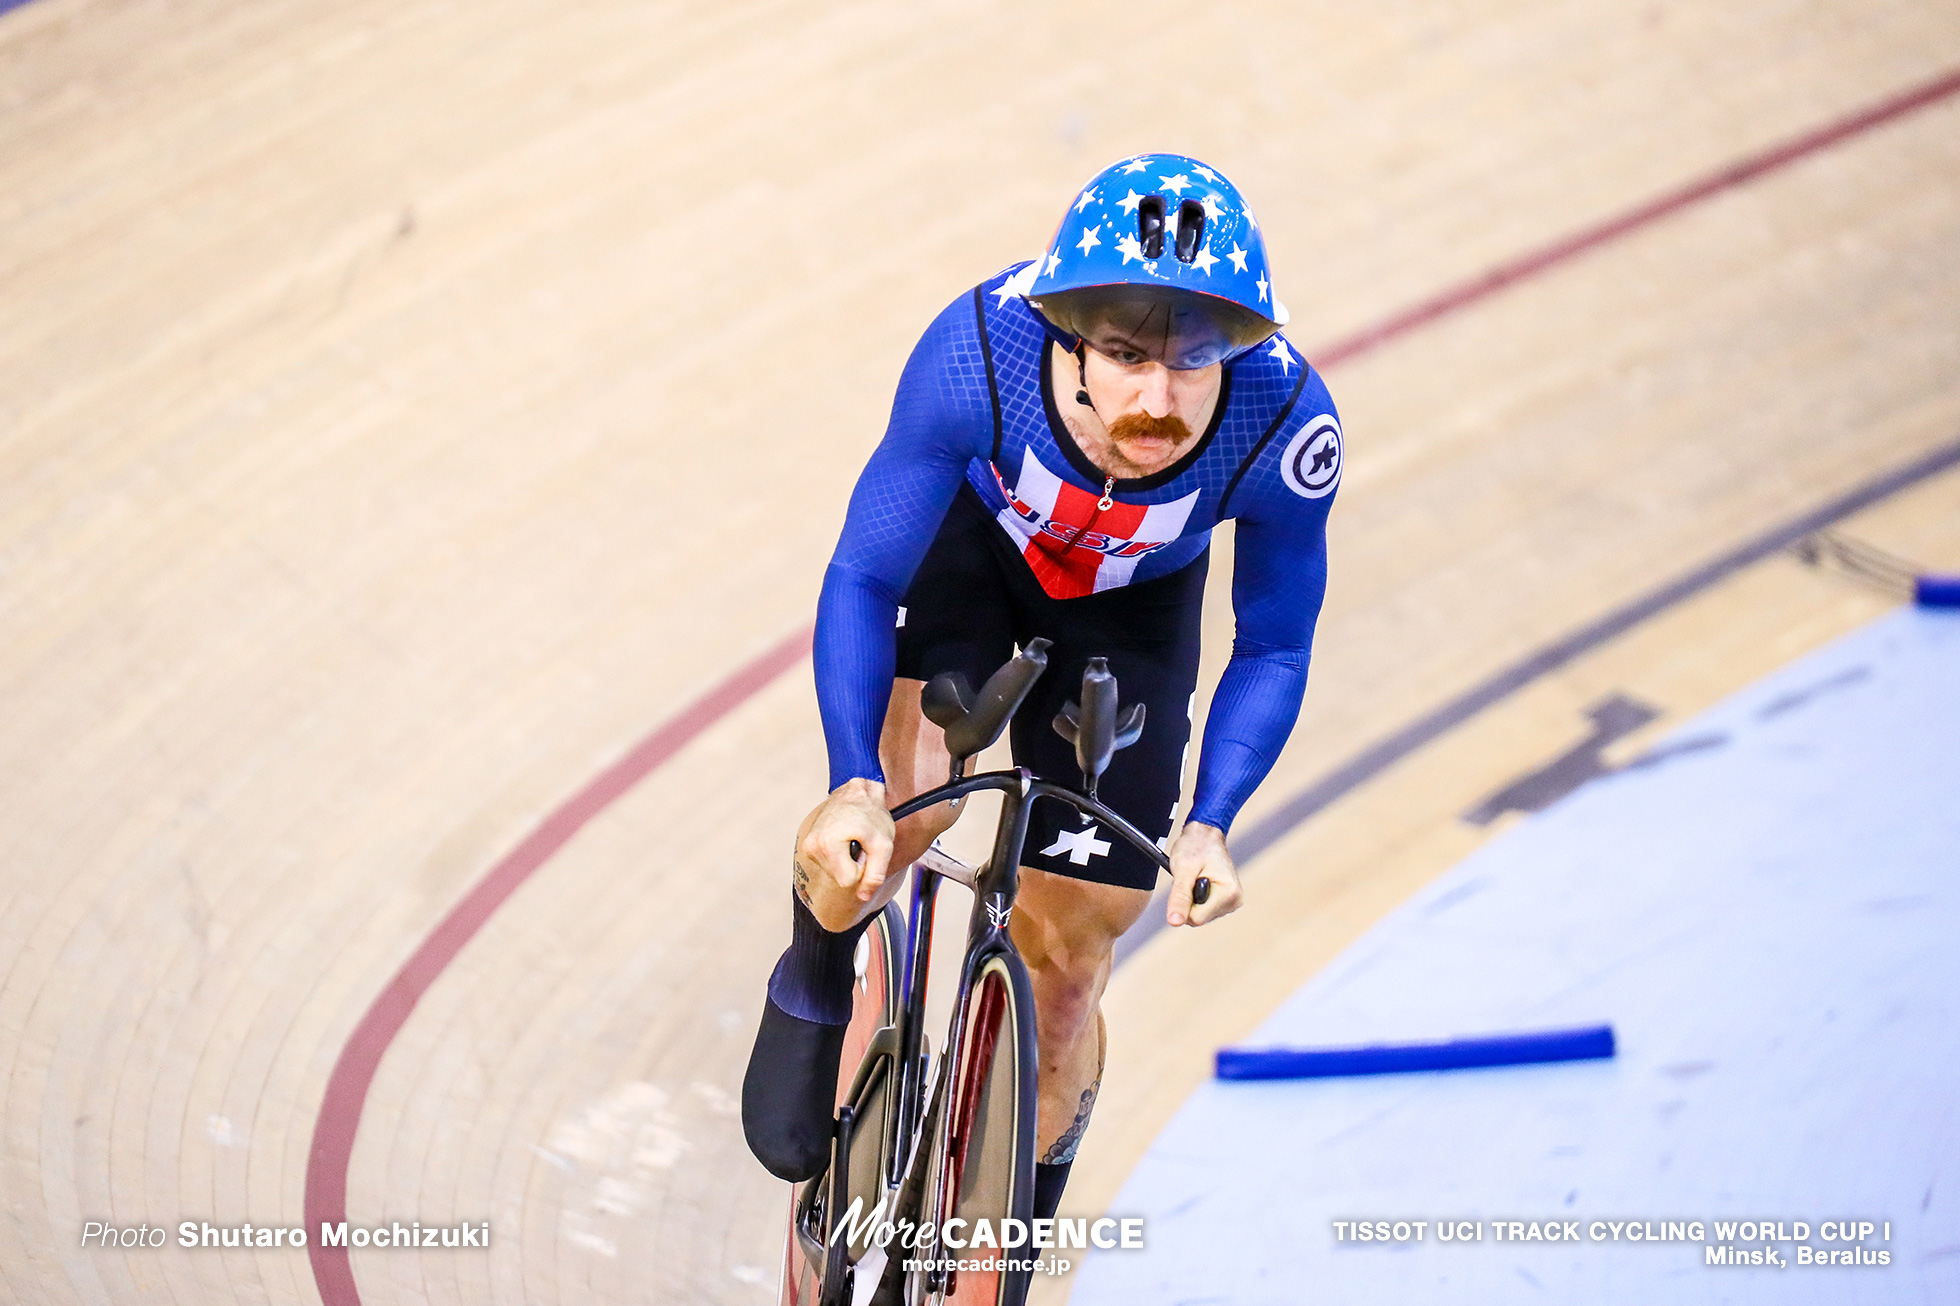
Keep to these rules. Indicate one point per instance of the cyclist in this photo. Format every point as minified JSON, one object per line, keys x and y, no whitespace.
{"x":1063,"y":441}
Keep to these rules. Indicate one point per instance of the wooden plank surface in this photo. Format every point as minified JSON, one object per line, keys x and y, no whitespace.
{"x":404,"y":408}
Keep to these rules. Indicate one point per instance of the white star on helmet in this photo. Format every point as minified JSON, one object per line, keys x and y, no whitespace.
{"x":1018,"y":284}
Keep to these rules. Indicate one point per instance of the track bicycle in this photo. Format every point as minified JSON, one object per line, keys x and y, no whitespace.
{"x":924,"y":1142}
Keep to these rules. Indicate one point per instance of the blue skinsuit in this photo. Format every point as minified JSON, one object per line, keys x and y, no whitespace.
{"x":973,"y":404}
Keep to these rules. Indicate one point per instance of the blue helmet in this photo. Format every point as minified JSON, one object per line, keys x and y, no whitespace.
{"x":1158,"y":258}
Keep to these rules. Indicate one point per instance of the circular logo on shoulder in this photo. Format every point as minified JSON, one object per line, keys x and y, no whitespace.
{"x":1312,"y":462}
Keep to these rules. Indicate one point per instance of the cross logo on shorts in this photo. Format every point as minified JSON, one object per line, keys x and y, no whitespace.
{"x":1079,"y":846}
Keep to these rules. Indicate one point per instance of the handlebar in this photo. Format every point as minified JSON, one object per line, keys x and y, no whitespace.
{"x":1032,"y":788}
{"x":972,"y":723}
{"x":952,"y":789}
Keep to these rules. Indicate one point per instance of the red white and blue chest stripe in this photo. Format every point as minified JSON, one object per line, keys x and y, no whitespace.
{"x":1076,"y":541}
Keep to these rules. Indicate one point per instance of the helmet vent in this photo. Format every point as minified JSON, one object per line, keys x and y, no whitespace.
{"x":1150,"y":225}
{"x":1190,"y":230}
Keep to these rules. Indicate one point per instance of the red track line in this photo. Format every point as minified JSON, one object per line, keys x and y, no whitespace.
{"x":347,"y":1086}
{"x":1547,"y":256}
{"x":353,"y":1073}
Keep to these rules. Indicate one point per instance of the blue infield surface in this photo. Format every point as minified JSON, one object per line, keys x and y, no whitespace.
{"x":1766,"y":911}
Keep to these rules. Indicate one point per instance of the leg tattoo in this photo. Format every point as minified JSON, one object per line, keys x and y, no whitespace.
{"x":1064,"y":1147}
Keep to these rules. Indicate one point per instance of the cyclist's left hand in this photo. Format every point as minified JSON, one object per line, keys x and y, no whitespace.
{"x":1199,"y":850}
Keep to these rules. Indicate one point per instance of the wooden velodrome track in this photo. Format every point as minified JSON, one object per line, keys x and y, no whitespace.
{"x":407,"y":408}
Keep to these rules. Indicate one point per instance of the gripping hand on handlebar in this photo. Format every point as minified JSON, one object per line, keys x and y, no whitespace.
{"x":1199,"y":851}
{"x":844,"y":853}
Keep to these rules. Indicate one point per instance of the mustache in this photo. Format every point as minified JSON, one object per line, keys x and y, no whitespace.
{"x":1142,"y":426}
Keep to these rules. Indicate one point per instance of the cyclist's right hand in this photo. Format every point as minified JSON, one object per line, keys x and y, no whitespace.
{"x":833,"y":883}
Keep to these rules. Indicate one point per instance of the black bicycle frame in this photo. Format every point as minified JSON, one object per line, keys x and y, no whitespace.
{"x":995,"y":888}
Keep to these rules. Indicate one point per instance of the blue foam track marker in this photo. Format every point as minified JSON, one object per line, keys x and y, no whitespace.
{"x":1592,"y":1043}
{"x":1937,"y":591}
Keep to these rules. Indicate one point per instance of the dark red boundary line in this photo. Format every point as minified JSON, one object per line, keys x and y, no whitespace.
{"x":353,"y":1072}
{"x":1538,"y":260}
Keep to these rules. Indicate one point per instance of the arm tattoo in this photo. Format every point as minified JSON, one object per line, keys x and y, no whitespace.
{"x":802,"y":881}
{"x":1064,"y":1147}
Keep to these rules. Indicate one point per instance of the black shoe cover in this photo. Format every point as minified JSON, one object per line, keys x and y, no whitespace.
{"x":789,"y":1096}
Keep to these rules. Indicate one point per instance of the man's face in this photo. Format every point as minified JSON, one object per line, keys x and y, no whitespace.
{"x":1150,"y":411}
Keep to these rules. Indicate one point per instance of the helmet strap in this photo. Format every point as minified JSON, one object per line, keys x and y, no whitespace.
{"x":1082,"y":375}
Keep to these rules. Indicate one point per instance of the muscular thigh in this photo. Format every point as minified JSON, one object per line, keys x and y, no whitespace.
{"x":1072,"y":924}
{"x":913,"y":752}
{"x":957,"y":616}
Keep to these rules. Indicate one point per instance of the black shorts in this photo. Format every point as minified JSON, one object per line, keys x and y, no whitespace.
{"x":974,"y":601}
